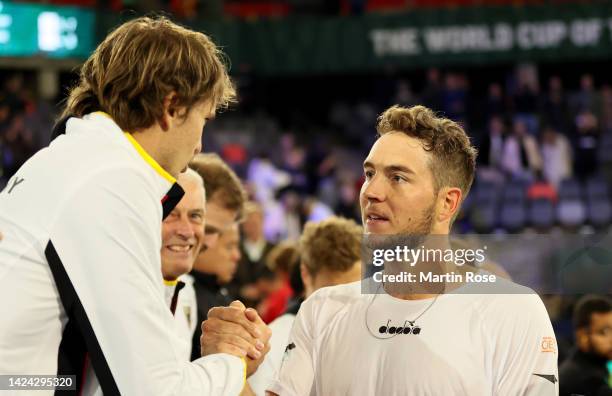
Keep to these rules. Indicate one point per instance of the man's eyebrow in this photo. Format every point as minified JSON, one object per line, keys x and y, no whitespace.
{"x":211,"y":229}
{"x":399,"y":168}
{"x":391,"y":168}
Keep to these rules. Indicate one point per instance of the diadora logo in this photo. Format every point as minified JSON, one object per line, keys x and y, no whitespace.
{"x":407,"y":328}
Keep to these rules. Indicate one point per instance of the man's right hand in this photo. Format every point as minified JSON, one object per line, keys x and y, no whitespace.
{"x":228,"y":330}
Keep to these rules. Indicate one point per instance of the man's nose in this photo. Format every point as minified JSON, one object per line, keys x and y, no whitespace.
{"x":374,"y":189}
{"x":237,"y":255}
{"x":184,"y":228}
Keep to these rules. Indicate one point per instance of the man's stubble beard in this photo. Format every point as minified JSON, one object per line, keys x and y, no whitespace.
{"x":412,"y":237}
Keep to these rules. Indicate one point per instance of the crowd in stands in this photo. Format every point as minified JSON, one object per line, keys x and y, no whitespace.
{"x":25,"y":122}
{"x":540,"y":144}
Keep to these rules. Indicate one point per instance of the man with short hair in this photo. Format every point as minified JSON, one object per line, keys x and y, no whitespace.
{"x":584,"y":372}
{"x":225,"y":199}
{"x":412,"y":338}
{"x":213,"y":269}
{"x":80,"y":258}
{"x":225,"y":195}
{"x":330,"y":253}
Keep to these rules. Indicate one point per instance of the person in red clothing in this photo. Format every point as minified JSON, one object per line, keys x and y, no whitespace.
{"x":542,"y":189}
{"x":274,"y":282}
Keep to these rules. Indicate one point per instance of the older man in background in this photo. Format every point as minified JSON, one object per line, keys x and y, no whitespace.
{"x":182,"y":239}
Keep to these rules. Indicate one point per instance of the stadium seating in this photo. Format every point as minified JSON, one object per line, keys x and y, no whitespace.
{"x":513,"y":216}
{"x":541,"y":214}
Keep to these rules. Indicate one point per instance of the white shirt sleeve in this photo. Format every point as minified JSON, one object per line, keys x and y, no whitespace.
{"x":525,"y":349}
{"x":296,"y":373}
{"x":267,"y":371}
{"x":108,"y":238}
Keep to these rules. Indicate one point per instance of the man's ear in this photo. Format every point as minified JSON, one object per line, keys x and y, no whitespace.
{"x":306,"y":278}
{"x":582,"y":339}
{"x":449,"y":199}
{"x":169,"y":114}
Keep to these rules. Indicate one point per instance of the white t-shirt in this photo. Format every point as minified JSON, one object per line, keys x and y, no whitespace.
{"x":469,"y":344}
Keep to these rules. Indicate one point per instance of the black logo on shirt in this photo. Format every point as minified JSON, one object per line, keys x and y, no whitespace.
{"x":289,"y":347}
{"x":407,"y":328}
{"x":286,"y":354}
{"x":16,"y":181}
{"x":549,"y":377}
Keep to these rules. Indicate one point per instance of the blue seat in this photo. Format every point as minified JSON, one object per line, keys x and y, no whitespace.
{"x":597,"y":188}
{"x":541,"y":214}
{"x":483,"y":218}
{"x":513,"y":216}
{"x":571,"y":213}
{"x":486,"y":193}
{"x":514,"y":192}
{"x":599,"y":212}
{"x":570,"y":189}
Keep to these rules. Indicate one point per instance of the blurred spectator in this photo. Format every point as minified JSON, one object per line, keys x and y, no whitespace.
{"x":526,"y":106}
{"x":586,"y":99}
{"x":585,"y":142}
{"x":556,"y":156}
{"x":404,"y":96}
{"x":347,"y":204}
{"x":266,"y":178}
{"x":213,"y":270}
{"x":5,"y":113}
{"x":521,"y":156}
{"x":13,"y":93}
{"x":495,"y":104}
{"x":315,"y":210}
{"x":555,"y":110}
{"x":585,"y":371}
{"x":18,"y":145}
{"x":492,"y":144}
{"x":294,"y":160}
{"x":454,"y":97}
{"x":215,"y":266}
{"x":254,"y":249}
{"x":273,"y":284}
{"x":542,"y":189}
{"x":291,"y":220}
{"x":320,"y":166}
{"x":606,"y":108}
{"x":432,"y":93}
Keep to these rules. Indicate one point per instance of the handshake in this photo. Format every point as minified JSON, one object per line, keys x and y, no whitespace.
{"x":238,"y":331}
